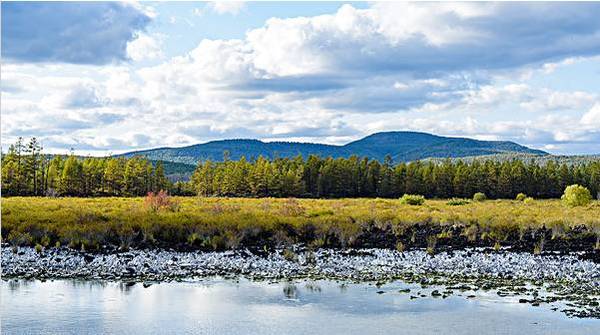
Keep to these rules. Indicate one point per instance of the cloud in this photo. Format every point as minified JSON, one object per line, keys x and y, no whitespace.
{"x":227,"y":7}
{"x":70,"y":32}
{"x":145,"y":47}
{"x":416,"y":38}
{"x":592,"y":117}
{"x":450,"y":69}
{"x":358,"y":54}
{"x":85,"y":96}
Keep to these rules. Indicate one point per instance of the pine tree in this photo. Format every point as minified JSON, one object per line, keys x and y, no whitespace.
{"x":71,"y":178}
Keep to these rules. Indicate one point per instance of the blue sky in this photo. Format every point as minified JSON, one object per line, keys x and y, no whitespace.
{"x":113,"y":77}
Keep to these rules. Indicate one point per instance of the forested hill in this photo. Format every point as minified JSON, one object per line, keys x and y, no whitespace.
{"x":402,"y":146}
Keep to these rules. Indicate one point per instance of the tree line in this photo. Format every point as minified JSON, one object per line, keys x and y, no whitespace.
{"x":362,"y":177}
{"x":27,"y":171}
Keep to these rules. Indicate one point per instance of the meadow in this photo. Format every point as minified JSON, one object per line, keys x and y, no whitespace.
{"x":211,"y":223}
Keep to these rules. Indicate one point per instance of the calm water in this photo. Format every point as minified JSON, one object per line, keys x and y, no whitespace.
{"x":229,"y":307}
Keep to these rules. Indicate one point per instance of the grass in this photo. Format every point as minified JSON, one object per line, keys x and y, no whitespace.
{"x":229,"y":223}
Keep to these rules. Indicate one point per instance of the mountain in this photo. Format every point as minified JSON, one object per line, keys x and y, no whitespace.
{"x":402,"y":146}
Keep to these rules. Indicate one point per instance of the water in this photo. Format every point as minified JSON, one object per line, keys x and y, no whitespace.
{"x":244,"y":307}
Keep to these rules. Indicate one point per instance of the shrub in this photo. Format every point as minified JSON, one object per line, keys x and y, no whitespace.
{"x":39,"y":248}
{"x":45,"y":241}
{"x":291,"y":207}
{"x":431,"y":243}
{"x":160,"y":201}
{"x":412,"y":199}
{"x":221,"y":208}
{"x":18,"y":239}
{"x":539,"y":246}
{"x":457,"y":202}
{"x":479,"y":196}
{"x":528,"y":201}
{"x":521,"y":197}
{"x":576,"y":195}
{"x":289,"y":255}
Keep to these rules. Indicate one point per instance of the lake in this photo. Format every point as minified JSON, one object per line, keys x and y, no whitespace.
{"x":219,"y":306}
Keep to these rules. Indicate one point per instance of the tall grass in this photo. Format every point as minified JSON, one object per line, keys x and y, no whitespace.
{"x":229,"y":223}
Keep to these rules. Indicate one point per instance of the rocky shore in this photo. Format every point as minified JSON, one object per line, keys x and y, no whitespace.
{"x":568,"y":282}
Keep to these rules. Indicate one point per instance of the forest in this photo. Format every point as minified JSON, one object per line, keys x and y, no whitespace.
{"x":318,"y":177}
{"x":27,"y":171}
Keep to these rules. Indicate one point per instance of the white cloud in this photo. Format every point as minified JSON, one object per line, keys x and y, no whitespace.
{"x":227,"y":7}
{"x":592,"y":117}
{"x":197,"y":12}
{"x":418,"y":38}
{"x":328,"y":78}
{"x":145,"y":47}
{"x":555,"y":100}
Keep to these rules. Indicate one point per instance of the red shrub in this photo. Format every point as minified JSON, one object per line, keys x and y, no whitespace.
{"x":160,"y":201}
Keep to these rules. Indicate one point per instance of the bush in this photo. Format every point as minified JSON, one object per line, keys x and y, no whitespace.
{"x":412,"y":199}
{"x":521,"y":197}
{"x":576,"y":195}
{"x":457,"y":202}
{"x":159,"y":201}
{"x":528,"y":201}
{"x":479,"y":196}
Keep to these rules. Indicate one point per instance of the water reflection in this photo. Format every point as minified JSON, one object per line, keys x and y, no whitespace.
{"x":245,"y":307}
{"x":312,"y":287}
{"x":290,"y":291}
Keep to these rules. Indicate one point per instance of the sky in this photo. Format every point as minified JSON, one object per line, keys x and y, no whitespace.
{"x":110,"y":77}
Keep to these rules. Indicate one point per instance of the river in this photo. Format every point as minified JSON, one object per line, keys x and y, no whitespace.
{"x":219,"y":306}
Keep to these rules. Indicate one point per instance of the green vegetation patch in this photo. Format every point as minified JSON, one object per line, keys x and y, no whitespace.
{"x":229,"y":223}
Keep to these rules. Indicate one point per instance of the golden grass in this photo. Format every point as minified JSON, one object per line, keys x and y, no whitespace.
{"x":218,"y":223}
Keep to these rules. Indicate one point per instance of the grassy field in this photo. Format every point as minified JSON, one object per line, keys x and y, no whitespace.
{"x":229,"y":223}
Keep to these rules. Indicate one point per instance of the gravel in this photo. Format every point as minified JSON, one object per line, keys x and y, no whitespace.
{"x":364,"y":264}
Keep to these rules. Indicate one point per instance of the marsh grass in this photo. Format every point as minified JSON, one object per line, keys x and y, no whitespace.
{"x":230,"y":223}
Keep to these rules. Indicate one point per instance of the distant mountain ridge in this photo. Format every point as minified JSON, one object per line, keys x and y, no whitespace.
{"x":402,"y":146}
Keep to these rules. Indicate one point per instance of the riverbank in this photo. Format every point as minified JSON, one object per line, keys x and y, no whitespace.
{"x":566,"y":282}
{"x":195,"y":223}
